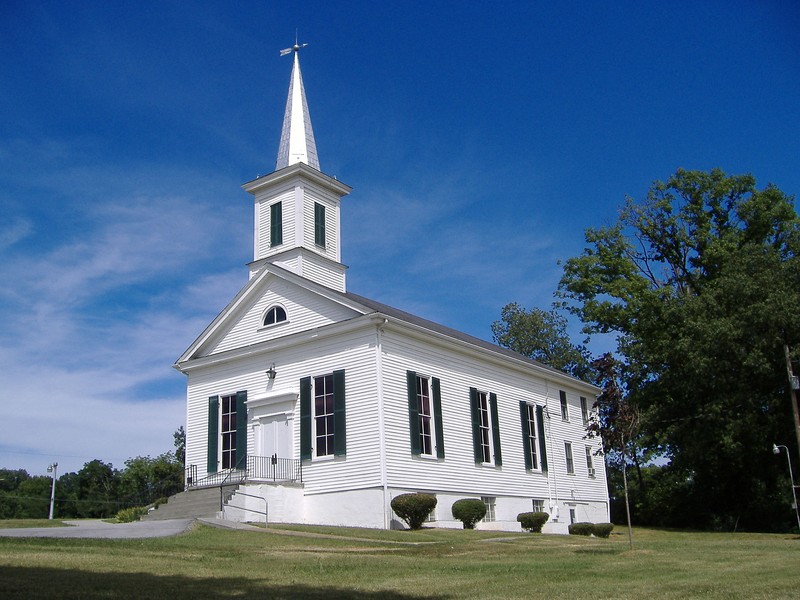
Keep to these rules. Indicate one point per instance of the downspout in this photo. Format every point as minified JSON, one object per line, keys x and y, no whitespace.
{"x":553,"y":504}
{"x":381,"y":427}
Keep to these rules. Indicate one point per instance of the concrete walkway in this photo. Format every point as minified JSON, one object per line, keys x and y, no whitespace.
{"x":95,"y":528}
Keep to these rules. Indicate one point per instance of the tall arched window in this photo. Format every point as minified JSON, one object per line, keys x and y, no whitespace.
{"x":275,"y":314}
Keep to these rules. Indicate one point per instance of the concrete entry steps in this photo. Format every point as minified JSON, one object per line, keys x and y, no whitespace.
{"x":191,"y":504}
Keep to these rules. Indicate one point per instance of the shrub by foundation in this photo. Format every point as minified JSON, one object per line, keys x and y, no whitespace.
{"x":533,"y":521}
{"x":603,"y":530}
{"x":581,"y":529}
{"x":413,"y":508}
{"x":469,"y":511}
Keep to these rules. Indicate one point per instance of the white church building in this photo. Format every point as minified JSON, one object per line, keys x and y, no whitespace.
{"x":323,"y":405}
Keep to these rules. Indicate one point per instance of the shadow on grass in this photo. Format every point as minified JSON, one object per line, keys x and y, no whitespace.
{"x":36,"y":582}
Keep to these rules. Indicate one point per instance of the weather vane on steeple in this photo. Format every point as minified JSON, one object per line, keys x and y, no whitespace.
{"x":295,"y":48}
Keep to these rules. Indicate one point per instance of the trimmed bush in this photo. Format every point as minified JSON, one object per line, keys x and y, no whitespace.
{"x":469,"y":511}
{"x":581,"y":529}
{"x":129,"y":515}
{"x":533,"y":521}
{"x":603,"y":530}
{"x":413,"y":508}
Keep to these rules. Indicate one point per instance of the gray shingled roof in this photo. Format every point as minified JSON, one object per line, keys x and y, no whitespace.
{"x":401,"y":315}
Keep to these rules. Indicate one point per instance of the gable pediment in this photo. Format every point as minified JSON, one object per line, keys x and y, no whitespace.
{"x":242,"y":323}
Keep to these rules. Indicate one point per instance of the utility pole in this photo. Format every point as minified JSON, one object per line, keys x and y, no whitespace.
{"x":793,"y":386}
{"x":54,"y":470}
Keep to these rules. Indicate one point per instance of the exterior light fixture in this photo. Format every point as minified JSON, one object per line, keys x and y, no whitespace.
{"x":272,"y":372}
{"x":776,"y":449}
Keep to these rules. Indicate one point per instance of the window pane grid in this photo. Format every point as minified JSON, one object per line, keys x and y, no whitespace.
{"x":485,"y":432}
{"x":489,"y":501}
{"x":228,"y":432}
{"x":425,"y":420}
{"x":323,"y":414}
{"x":532,"y":436}
{"x":589,"y":463}
{"x":568,"y":455}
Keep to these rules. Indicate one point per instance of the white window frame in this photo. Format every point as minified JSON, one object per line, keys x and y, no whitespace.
{"x":569,"y":458}
{"x":491,"y":509}
{"x":274,"y":307}
{"x":584,"y":409}
{"x":589,"y":461}
{"x":328,"y":403}
{"x":227,"y":456}
{"x":485,"y":427}
{"x":562,"y":396}
{"x":427,"y":421}
{"x":532,"y":438}
{"x":537,"y":504}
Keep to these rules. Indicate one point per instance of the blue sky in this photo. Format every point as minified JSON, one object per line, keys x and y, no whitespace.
{"x":481,"y":140}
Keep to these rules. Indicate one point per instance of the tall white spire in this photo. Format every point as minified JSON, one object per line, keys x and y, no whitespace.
{"x":297,"y":136}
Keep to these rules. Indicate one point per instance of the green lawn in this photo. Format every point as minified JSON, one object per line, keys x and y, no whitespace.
{"x":346,"y":563}
{"x":27,"y":523}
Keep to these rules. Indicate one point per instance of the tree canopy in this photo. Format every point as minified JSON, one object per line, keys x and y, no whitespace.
{"x":700,"y":282}
{"x":541,"y":335}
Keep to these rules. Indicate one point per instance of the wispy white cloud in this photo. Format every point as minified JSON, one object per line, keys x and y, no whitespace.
{"x":14,"y":231}
{"x":95,"y":318}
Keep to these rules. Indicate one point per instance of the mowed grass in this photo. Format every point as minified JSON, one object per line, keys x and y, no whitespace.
{"x":348,"y":563}
{"x":28,"y":523}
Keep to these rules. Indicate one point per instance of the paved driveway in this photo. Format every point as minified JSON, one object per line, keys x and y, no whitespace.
{"x":95,"y":528}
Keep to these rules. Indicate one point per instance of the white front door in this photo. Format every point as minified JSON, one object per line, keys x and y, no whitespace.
{"x":276,"y":436}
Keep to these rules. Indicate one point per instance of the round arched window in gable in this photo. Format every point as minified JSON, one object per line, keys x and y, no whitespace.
{"x":276,"y":314}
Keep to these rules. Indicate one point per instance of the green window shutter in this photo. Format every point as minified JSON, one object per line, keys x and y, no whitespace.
{"x":413,"y":413}
{"x":305,"y":418}
{"x":339,"y":424}
{"x":498,"y":456}
{"x":476,"y":425}
{"x":213,"y":433}
{"x":319,"y":224}
{"x":276,"y":224}
{"x":241,"y":430}
{"x":437,"y":418}
{"x":540,"y":424}
{"x":526,"y":439}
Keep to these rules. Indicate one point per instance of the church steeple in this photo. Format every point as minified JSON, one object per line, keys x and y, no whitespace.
{"x":297,"y":136}
{"x":297,"y":207}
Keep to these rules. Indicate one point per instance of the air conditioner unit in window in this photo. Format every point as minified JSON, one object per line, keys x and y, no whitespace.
{"x":591,"y":471}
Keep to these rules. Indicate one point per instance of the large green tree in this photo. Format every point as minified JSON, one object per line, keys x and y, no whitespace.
{"x":700,"y":282}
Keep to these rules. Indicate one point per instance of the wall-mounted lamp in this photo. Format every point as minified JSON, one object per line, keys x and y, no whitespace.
{"x":272,"y":372}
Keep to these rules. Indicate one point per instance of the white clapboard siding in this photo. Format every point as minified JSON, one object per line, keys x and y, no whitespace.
{"x":458,"y":472}
{"x":354,"y":353}
{"x":304,"y":310}
{"x":331,"y":204}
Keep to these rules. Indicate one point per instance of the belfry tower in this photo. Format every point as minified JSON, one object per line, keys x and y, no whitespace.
{"x":297,"y":206}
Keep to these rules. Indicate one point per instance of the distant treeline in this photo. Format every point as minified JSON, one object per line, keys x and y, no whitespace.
{"x":98,"y":490}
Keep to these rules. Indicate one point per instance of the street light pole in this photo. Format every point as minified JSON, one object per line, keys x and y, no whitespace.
{"x":53,"y":468}
{"x":776,"y":449}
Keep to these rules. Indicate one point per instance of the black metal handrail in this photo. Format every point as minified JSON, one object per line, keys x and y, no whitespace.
{"x":272,"y":468}
{"x":257,"y":468}
{"x":266,"y":506}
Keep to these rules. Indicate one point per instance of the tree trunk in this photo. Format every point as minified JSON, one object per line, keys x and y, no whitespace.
{"x":627,"y":502}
